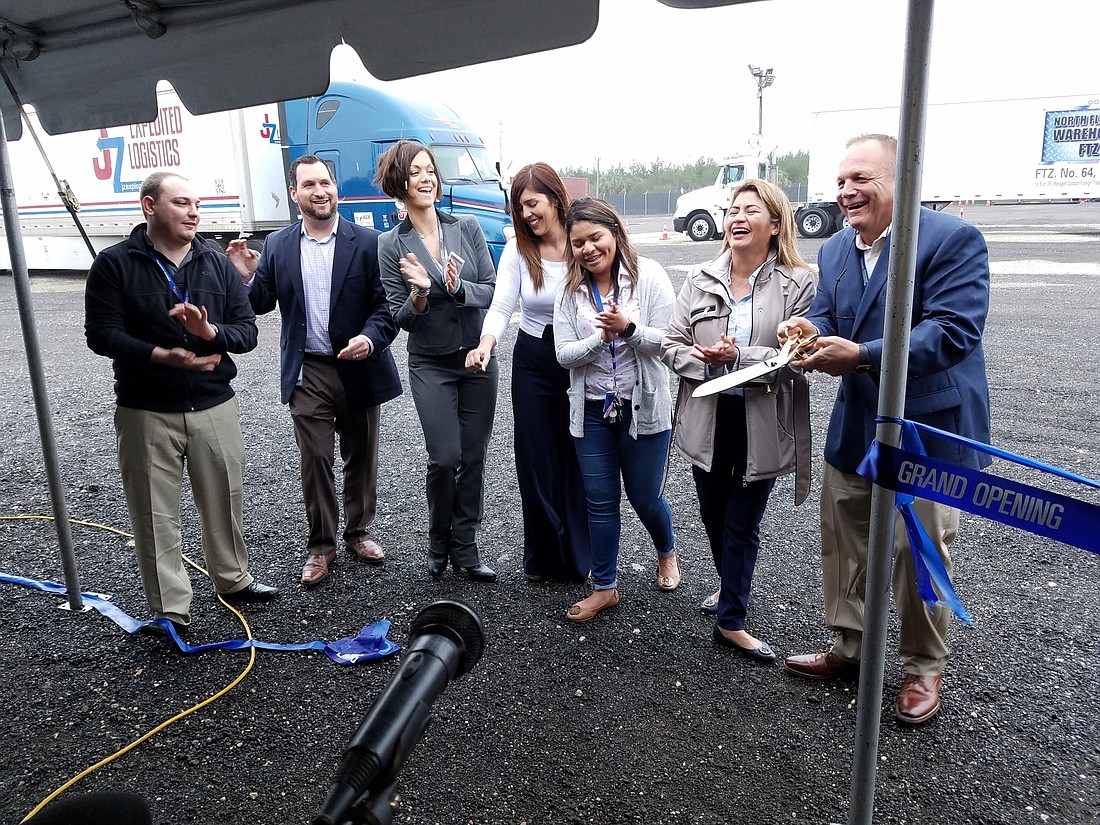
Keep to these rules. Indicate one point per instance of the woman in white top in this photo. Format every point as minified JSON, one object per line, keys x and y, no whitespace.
{"x":609,"y":319}
{"x":555,"y":521}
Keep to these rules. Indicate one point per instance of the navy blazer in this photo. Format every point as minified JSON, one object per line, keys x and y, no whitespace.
{"x":946,"y":386}
{"x":358,"y":307}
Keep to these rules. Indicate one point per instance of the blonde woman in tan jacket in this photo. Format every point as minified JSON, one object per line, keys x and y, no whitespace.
{"x":741,"y":440}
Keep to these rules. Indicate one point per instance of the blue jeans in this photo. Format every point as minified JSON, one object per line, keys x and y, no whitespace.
{"x":606,"y":452}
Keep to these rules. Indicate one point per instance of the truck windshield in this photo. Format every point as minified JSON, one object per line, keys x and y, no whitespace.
{"x":464,"y":164}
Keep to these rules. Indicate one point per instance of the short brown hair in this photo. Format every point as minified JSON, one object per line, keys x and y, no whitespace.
{"x":153,"y":186}
{"x":392,"y":176}
{"x":305,"y":160}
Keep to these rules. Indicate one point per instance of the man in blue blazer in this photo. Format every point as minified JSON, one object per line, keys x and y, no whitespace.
{"x":335,"y":360}
{"x":946,"y":388}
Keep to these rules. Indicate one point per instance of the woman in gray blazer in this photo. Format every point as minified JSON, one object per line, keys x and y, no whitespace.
{"x":439,"y":280}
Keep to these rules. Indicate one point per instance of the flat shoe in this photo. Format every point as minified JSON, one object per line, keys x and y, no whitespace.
{"x":762,"y":655}
{"x":709,"y":605}
{"x":580,"y":613}
{"x":316,"y":567}
{"x":667,"y":584}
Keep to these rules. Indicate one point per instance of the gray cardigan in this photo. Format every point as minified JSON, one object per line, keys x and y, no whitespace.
{"x":451,"y":322}
{"x":651,"y":399}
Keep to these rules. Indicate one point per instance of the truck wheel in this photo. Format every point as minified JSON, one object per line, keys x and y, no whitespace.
{"x":700,"y":227}
{"x":815,"y":223}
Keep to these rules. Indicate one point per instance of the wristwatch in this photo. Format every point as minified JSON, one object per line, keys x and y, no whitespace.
{"x":864,"y":364}
{"x":630,"y":329}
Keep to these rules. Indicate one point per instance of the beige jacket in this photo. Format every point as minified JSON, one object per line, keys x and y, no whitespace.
{"x":777,"y":406}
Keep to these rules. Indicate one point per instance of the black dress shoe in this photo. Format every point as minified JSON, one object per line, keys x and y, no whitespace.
{"x":763,"y":655}
{"x":480,"y":572}
{"x":255,"y":592}
{"x":437,"y":565}
{"x":154,"y":628}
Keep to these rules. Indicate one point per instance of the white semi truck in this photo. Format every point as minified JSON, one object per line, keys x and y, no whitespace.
{"x":1031,"y":149}
{"x":701,"y":213}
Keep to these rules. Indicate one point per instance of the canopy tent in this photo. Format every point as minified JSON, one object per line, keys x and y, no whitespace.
{"x":95,"y":63}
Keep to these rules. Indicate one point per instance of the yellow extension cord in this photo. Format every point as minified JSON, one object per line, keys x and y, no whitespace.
{"x":149,"y":734}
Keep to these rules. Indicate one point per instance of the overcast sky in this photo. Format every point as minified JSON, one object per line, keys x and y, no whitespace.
{"x":657,"y":82}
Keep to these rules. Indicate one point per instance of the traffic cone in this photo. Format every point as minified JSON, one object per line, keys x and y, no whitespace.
{"x":664,"y":232}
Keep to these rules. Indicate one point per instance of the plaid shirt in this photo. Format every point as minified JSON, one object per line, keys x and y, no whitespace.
{"x":317,"y":285}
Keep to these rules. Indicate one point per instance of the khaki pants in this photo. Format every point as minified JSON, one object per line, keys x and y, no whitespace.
{"x":845,"y":524}
{"x":152,"y":451}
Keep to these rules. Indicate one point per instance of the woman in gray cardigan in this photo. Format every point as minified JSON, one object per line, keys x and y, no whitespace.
{"x":439,"y":280}
{"x":609,"y":318}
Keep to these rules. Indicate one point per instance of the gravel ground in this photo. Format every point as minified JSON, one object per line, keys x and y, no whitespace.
{"x":634,"y":717}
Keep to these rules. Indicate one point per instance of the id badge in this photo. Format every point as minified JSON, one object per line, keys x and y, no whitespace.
{"x":612,"y":408}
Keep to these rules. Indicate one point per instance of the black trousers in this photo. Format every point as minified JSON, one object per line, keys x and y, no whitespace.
{"x":731,"y":510}
{"x":556,"y":544}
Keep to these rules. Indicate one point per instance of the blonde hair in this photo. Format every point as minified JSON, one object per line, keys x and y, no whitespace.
{"x":782,"y":213}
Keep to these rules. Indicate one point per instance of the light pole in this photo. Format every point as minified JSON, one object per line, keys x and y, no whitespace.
{"x":764,"y":79}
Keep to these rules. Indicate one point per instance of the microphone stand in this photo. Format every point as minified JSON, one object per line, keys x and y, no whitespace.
{"x":375,"y":807}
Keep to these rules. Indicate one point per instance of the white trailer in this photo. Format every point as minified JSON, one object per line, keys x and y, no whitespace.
{"x":236,"y":169}
{"x":1030,"y":149}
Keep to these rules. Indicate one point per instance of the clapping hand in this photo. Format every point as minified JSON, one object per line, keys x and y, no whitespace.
{"x":245,"y":260}
{"x":610,"y":322}
{"x":722,"y":353}
{"x":414,"y":272}
{"x":194,"y":320}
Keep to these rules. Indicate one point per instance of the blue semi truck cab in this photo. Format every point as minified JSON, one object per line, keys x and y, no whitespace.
{"x":351,"y":125}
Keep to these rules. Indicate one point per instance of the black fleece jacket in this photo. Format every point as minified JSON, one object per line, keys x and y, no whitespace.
{"x":126,"y":302}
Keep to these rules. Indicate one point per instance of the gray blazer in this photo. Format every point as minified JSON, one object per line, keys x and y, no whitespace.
{"x":451,"y":322}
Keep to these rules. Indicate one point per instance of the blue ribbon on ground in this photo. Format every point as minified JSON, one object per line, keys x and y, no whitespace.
{"x":910,"y":472}
{"x":369,"y":644}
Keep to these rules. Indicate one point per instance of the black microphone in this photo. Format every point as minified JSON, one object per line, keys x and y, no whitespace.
{"x":96,"y":809}
{"x":447,"y":639}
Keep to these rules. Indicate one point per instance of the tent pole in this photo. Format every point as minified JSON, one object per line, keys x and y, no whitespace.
{"x":891,"y":402}
{"x":38,"y":381}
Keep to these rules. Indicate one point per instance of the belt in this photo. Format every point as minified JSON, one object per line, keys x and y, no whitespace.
{"x":318,"y":356}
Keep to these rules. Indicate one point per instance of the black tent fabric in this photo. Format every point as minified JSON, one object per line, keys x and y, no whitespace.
{"x":86,"y":64}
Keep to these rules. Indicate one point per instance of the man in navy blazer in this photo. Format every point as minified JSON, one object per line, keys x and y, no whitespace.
{"x":335,"y":360}
{"x":946,"y":388}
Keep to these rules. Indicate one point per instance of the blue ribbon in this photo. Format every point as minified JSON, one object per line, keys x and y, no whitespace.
{"x":910,"y":472}
{"x":370,"y":643}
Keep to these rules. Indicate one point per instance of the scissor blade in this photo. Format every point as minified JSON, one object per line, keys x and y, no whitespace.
{"x":736,"y":379}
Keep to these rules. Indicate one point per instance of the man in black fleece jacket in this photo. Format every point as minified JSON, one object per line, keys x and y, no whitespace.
{"x":168,"y":308}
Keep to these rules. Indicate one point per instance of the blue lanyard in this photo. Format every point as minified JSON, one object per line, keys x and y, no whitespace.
{"x":184,"y":298}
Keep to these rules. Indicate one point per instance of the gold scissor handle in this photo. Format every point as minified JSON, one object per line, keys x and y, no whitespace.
{"x":797,"y":345}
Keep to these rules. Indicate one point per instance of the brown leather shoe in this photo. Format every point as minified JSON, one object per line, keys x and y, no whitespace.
{"x":821,"y":666}
{"x":316,"y":567}
{"x":919,"y":698}
{"x":366,"y":548}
